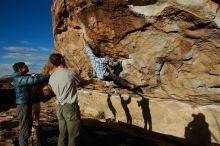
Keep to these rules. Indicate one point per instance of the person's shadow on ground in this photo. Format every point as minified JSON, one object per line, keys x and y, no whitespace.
{"x":144,"y":105}
{"x":197,"y":132}
{"x":124,"y":104}
{"x":111,"y":107}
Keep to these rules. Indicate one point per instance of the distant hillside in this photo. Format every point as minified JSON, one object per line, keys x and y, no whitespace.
{"x":7,"y":93}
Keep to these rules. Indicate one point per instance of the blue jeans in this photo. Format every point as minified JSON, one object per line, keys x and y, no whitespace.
{"x":69,"y":124}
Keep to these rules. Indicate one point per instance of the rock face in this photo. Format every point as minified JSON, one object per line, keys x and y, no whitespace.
{"x":170,"y":48}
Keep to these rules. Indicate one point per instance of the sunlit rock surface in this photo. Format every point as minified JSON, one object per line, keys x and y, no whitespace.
{"x":178,"y":90}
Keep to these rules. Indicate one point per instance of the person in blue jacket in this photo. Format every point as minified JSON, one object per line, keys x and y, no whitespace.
{"x":22,"y":83}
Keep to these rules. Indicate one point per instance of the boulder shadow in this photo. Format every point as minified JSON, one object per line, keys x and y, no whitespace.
{"x":96,"y":133}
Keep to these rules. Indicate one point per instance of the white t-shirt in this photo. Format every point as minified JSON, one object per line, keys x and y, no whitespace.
{"x":63,"y":83}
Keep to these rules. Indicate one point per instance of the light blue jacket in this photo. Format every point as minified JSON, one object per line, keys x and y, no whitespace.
{"x":22,"y":84}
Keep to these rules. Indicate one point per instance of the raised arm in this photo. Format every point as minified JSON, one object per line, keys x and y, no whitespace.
{"x":89,"y":51}
{"x":80,"y":80}
{"x":29,"y":80}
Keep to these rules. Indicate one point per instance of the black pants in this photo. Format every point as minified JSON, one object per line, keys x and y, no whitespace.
{"x":116,"y":79}
{"x":24,"y":113}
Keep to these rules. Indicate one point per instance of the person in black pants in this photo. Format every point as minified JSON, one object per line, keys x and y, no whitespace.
{"x":22,"y":83}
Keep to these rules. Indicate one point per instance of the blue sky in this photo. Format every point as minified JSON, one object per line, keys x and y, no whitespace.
{"x":25,"y":34}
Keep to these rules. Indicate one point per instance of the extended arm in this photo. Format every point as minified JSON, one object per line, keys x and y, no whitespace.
{"x":89,"y":51}
{"x":29,"y":80}
{"x":80,"y":80}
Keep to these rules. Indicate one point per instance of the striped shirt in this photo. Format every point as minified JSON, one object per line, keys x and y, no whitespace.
{"x":99,"y":64}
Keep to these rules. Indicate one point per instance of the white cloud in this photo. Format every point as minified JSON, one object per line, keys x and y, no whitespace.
{"x":46,"y":49}
{"x":24,"y":42}
{"x":35,"y":58}
{"x":34,"y":68}
{"x":28,"y":63}
{"x":6,"y":66}
{"x":25,"y":56}
{"x":19,"y":49}
{"x":6,"y":69}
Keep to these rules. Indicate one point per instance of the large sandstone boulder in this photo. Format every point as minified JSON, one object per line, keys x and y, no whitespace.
{"x":183,"y":33}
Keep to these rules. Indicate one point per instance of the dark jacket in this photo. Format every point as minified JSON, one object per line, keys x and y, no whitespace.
{"x":22,"y":84}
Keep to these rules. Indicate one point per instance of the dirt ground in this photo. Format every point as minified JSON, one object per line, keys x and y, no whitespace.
{"x":9,"y":122}
{"x":93,"y":133}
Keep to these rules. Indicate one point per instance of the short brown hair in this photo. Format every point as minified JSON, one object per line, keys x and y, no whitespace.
{"x":56,"y":59}
{"x":18,"y":65}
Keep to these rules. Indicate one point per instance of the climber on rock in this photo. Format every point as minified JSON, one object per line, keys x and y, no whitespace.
{"x":101,"y":69}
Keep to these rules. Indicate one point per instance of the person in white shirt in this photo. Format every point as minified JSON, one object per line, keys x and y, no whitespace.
{"x":63,"y":83}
